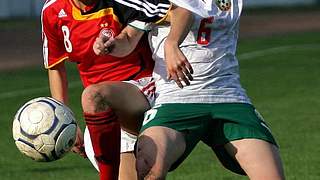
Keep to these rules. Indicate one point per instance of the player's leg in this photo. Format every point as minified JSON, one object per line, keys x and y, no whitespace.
{"x":101,"y":104}
{"x":125,"y":100}
{"x":129,"y":101}
{"x":153,"y":161}
{"x":249,"y":147}
{"x":258,"y":158}
{"x":169,"y":134}
{"x":104,"y":132}
{"x":127,"y":170}
{"x":157,"y":149}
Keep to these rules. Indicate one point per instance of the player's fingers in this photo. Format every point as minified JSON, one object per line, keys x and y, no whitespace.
{"x":169,"y":76}
{"x":79,"y":150}
{"x":178,"y":82}
{"x":187,"y":72}
{"x":98,"y":47}
{"x":75,"y":150}
{"x":100,"y":52}
{"x":109,"y":43}
{"x":176,"y":79}
{"x":183,"y":77}
{"x":96,"y":51}
{"x":189,"y":67}
{"x":82,"y":151}
{"x":99,"y":41}
{"x":184,"y":62}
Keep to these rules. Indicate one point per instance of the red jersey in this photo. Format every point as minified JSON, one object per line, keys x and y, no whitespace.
{"x":70,"y":34}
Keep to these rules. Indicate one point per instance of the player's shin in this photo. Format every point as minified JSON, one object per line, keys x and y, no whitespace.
{"x":105,"y":136}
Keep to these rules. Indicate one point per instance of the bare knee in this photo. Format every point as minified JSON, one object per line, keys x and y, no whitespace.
{"x":146,"y":172}
{"x":94,"y":98}
{"x":146,"y":159}
{"x":158,"y":148}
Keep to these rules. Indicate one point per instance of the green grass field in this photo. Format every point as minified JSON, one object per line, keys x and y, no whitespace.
{"x":281,"y":75}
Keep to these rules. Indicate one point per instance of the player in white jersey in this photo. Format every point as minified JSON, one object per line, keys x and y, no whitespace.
{"x":212,"y":108}
{"x":210,"y":47}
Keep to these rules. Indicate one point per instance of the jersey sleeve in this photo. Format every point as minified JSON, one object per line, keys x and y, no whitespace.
{"x":202,"y":8}
{"x":143,"y":26}
{"x":53,"y":43}
{"x":140,"y":13}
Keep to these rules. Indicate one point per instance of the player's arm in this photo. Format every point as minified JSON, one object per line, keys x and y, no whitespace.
{"x":120,"y":46}
{"x":58,"y":82}
{"x":178,"y":67}
{"x":54,"y":55}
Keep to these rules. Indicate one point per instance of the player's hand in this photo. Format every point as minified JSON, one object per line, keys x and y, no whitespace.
{"x":103,"y":45}
{"x":79,"y":144}
{"x":178,"y":67}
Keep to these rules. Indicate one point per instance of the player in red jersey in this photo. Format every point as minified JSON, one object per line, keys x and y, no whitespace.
{"x":116,"y":89}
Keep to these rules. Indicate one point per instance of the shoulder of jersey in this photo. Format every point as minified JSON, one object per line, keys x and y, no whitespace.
{"x":55,"y":7}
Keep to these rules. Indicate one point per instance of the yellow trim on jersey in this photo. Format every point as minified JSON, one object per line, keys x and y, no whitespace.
{"x":165,"y":17}
{"x":58,"y":62}
{"x":76,"y":13}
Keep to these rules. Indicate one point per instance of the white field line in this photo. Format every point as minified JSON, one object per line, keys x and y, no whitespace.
{"x":243,"y":56}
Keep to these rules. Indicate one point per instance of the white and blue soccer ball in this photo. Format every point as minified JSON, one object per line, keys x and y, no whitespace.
{"x":44,"y":129}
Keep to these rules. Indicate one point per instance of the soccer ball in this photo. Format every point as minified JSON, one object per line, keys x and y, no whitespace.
{"x":44,"y":129}
{"x":224,"y":5}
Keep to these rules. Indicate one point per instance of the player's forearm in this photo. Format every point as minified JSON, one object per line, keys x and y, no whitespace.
{"x":180,"y":22}
{"x":134,"y":35}
{"x":126,"y":41}
{"x":58,"y":83}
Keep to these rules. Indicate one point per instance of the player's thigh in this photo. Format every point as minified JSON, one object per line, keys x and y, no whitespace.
{"x":128,"y":102}
{"x":114,"y":93}
{"x":157,"y":149}
{"x":188,"y":122}
{"x":246,"y":138}
{"x":125,"y":97}
{"x":127,"y":169}
{"x":259,"y":159}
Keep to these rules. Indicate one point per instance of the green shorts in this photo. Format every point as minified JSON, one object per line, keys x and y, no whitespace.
{"x":213,"y":124}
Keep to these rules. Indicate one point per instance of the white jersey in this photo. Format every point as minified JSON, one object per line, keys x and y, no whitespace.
{"x":210,"y":47}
